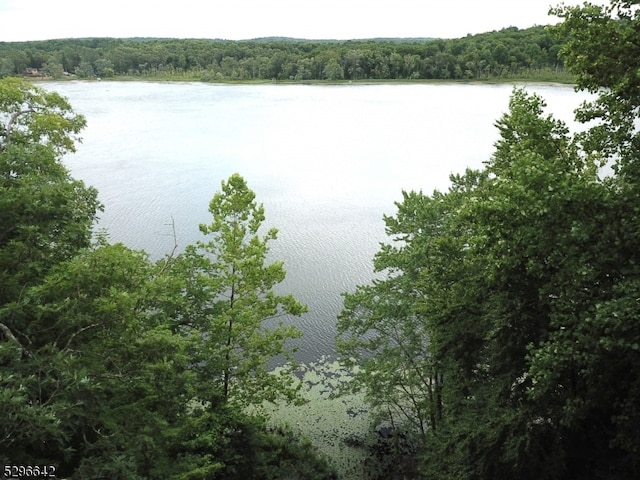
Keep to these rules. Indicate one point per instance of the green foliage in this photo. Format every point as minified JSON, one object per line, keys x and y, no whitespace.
{"x":508,"y":53}
{"x":248,"y":449}
{"x":231,"y":308}
{"x":534,"y":223}
{"x":53,"y":69}
{"x":401,"y":378}
{"x":46,"y":219}
{"x":287,"y":455}
{"x":32,"y":116}
{"x":517,"y":285}
{"x":91,"y":363}
{"x":602,"y":51}
{"x":45,"y":215}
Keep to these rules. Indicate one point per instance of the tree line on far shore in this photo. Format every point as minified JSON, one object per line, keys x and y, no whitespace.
{"x":508,"y":53}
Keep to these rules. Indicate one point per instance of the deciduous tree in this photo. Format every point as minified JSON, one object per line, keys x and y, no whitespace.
{"x":516,"y":287}
{"x":46,"y":216}
{"x":233,"y":313}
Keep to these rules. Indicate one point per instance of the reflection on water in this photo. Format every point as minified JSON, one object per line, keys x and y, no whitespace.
{"x":326,"y":161}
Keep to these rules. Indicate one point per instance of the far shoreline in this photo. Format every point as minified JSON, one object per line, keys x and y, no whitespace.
{"x":560,"y":80}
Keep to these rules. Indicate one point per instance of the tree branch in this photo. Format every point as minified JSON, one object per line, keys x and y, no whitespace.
{"x":14,"y":340}
{"x":9,"y":128}
{"x":83,"y":329}
{"x":170,"y":257}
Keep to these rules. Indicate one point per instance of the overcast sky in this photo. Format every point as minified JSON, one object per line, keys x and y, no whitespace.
{"x":246,"y":19}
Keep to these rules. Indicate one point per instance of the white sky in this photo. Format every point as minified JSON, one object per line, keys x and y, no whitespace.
{"x":246,"y":19}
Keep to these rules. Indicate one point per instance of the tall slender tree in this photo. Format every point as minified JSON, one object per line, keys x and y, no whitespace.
{"x":234,"y":315}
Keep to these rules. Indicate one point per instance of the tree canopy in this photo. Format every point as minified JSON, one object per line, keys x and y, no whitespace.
{"x":508,"y":53}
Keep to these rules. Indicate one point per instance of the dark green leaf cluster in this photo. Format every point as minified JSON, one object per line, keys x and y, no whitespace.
{"x":112,"y":366}
{"x":508,"y":53}
{"x":504,"y":327}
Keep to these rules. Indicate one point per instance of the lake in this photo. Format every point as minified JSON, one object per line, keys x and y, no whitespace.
{"x":326,"y":161}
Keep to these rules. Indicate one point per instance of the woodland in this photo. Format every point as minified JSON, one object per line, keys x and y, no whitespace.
{"x":506,"y":54}
{"x":500,"y":338}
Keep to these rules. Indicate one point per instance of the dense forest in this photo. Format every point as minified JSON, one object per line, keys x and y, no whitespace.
{"x":509,"y":53}
{"x":500,"y":338}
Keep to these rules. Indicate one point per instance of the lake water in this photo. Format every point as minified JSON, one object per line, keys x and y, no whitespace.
{"x":326,"y":161}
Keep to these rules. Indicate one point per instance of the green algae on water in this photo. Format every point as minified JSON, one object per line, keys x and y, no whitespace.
{"x":338,"y":426}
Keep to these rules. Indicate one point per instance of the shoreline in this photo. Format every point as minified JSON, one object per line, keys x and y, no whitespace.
{"x":192,"y":79}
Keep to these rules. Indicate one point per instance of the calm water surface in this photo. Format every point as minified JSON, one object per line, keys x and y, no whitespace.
{"x":326,"y":161}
